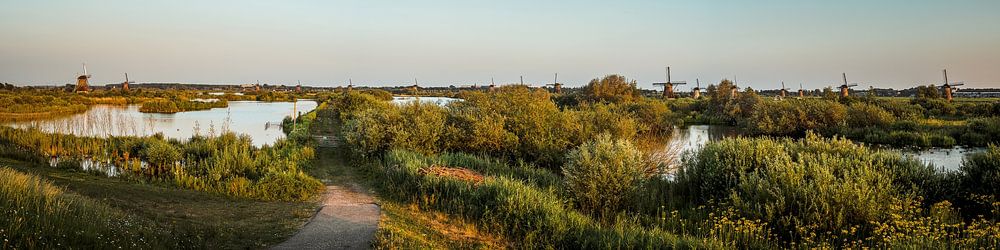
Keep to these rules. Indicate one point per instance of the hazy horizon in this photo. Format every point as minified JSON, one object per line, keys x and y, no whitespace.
{"x":894,"y":44}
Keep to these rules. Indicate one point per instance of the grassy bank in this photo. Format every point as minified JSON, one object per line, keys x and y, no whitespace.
{"x":142,"y":216}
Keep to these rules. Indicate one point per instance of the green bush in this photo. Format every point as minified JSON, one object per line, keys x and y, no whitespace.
{"x":982,"y":131}
{"x":935,"y":106}
{"x":982,"y":172}
{"x":916,"y":139}
{"x":603,"y":174}
{"x":795,"y":117}
{"x":160,"y":106}
{"x":161,"y":154}
{"x":813,"y":186}
{"x":866,"y":115}
{"x":611,"y":88}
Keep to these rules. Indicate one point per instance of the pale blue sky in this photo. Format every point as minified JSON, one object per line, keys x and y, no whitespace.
{"x":323,"y":43}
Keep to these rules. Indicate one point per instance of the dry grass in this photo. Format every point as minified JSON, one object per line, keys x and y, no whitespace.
{"x":408,"y":226}
{"x":456,"y":173}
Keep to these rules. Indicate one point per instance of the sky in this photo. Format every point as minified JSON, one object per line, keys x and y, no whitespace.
{"x":890,"y":43}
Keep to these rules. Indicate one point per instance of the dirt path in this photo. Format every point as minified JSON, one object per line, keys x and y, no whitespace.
{"x":347,"y":220}
{"x":349,"y":216}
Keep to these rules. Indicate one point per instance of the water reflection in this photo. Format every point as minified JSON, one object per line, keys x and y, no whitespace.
{"x":242,"y":117}
{"x":694,"y":137}
{"x":949,"y":159}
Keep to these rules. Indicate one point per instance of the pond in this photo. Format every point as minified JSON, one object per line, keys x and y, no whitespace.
{"x":260,"y":120}
{"x":694,"y":137}
{"x":426,"y":99}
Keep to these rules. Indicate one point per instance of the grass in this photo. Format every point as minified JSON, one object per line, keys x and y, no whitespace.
{"x":37,"y":214}
{"x":202,"y":219}
{"x":409,"y":227}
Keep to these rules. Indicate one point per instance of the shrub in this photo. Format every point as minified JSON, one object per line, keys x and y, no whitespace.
{"x":611,"y":88}
{"x":159,"y":106}
{"x":379,"y":94}
{"x":601,"y":175}
{"x":866,"y":115}
{"x":795,"y":117}
{"x":160,"y":153}
{"x":982,"y":131}
{"x":935,"y":106}
{"x":800,"y":188}
{"x":982,"y":172}
{"x":916,"y":139}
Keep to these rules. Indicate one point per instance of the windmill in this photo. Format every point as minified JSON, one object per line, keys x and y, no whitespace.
{"x":802,"y":92}
{"x":415,"y":87}
{"x":126,"y":83}
{"x":784,"y":90}
{"x":949,"y":85}
{"x":493,"y":85}
{"x":350,"y":84}
{"x":668,"y":87}
{"x":81,"y":81}
{"x":736,"y":89}
{"x":696,"y":92}
{"x":298,"y":86}
{"x":257,"y":86}
{"x":846,"y":87}
{"x":556,"y":85}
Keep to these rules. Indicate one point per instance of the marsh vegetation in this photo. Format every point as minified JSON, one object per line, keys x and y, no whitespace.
{"x":584,"y":169}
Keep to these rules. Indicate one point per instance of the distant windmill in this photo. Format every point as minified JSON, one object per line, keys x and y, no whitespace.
{"x":949,"y":85}
{"x":668,"y":87}
{"x":493,"y":84}
{"x":696,"y":92}
{"x":846,"y":87}
{"x":415,"y":87}
{"x":126,"y":83}
{"x":298,"y":86}
{"x":257,"y":87}
{"x":556,"y":85}
{"x":81,"y":81}
{"x":736,"y":89}
{"x":802,"y":92}
{"x":350,"y":84}
{"x":784,"y":90}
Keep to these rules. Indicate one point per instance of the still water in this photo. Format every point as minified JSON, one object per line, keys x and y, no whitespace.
{"x":260,"y":120}
{"x":693,"y":138}
{"x":426,"y":99}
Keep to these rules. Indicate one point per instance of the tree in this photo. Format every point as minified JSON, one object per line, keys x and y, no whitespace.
{"x":611,"y":88}
{"x":929,"y":91}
